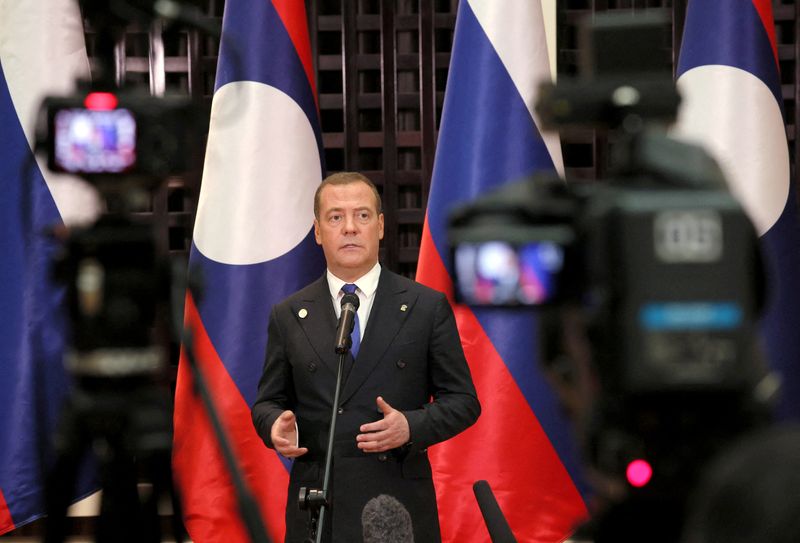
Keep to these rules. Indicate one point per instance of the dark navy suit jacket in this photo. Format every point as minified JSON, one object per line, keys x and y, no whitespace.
{"x":410,"y":355}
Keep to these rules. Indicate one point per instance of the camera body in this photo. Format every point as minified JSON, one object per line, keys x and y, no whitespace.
{"x":669,"y":274}
{"x":673,"y":277}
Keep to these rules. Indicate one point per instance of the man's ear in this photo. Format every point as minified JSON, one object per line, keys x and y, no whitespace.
{"x":380,"y":226}
{"x":317,"y":236}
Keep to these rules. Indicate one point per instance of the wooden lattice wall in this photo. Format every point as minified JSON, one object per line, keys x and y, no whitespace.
{"x":381,"y":69}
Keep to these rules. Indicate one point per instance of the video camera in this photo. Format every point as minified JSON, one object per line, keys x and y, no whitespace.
{"x":125,"y":143}
{"x":119,"y":283}
{"x":659,"y":266}
{"x":673,"y":269}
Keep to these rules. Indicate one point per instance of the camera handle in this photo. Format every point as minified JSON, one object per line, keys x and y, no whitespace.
{"x":316,"y":501}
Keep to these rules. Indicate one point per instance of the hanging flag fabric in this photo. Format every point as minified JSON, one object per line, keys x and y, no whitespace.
{"x":42,"y":51}
{"x":488,"y":137}
{"x":253,"y":245}
{"x":728,"y":76}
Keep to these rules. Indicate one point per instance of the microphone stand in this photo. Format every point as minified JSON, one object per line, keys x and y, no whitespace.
{"x":318,"y":501}
{"x":315,"y":500}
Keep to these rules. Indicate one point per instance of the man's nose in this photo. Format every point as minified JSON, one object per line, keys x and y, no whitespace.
{"x":350,"y":224}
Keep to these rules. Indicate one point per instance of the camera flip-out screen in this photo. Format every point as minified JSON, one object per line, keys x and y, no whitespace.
{"x":93,"y":142}
{"x":502,"y":273}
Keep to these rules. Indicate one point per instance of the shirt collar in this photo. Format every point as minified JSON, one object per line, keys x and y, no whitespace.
{"x":367,"y":283}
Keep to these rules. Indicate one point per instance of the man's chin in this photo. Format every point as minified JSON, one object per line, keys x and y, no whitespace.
{"x":351,"y":266}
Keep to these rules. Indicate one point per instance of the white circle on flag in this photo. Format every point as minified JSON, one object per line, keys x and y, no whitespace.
{"x":736,"y":117}
{"x":261,"y":170}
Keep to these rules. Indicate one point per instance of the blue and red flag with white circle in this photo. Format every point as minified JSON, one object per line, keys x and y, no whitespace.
{"x":729,"y":79}
{"x":489,"y":136}
{"x":253,"y":245}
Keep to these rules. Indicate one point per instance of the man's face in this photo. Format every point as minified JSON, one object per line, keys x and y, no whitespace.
{"x":349,"y":229}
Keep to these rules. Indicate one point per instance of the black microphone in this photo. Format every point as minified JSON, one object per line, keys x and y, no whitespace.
{"x":499,"y":530}
{"x":347,"y":318}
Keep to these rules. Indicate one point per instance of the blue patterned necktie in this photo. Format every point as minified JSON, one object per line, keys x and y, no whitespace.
{"x":356,"y":337}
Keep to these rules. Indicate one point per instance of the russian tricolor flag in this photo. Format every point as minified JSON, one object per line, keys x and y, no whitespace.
{"x":42,"y":51}
{"x":489,"y":136}
{"x":253,"y":245}
{"x":728,"y":76}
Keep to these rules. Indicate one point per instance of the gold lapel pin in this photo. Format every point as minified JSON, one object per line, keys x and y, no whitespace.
{"x":303,"y":313}
{"x":403,"y":307}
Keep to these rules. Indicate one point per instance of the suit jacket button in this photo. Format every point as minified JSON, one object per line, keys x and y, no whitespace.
{"x":401,"y":364}
{"x":340,"y":410}
{"x":382,"y":457}
{"x":311,"y":367}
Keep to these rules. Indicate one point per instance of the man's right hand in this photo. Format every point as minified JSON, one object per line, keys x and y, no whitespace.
{"x":284,"y":436}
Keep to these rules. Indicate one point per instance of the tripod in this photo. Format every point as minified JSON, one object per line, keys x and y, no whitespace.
{"x":126,"y":423}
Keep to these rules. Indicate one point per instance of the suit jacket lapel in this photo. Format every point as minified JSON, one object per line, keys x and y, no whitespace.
{"x":317,"y":318}
{"x":385,"y":320}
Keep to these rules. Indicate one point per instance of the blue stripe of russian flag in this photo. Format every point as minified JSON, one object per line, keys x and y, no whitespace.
{"x":489,"y":139}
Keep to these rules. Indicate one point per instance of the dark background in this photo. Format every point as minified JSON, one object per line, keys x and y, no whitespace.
{"x":381,"y":68}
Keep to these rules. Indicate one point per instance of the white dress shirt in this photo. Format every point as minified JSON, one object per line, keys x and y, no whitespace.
{"x":367,"y":285}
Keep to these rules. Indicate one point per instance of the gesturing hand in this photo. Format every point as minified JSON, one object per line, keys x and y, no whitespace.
{"x":284,"y":436}
{"x":388,"y":433}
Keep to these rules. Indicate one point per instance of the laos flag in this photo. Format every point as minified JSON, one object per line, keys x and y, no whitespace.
{"x":489,"y":136}
{"x":253,"y":245}
{"x":42,"y":51}
{"x":730,"y":84}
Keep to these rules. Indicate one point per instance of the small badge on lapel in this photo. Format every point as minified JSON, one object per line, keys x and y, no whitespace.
{"x":303,"y":313}
{"x":403,"y":307}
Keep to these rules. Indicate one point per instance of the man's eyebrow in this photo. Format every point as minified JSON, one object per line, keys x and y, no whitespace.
{"x":341,"y":209}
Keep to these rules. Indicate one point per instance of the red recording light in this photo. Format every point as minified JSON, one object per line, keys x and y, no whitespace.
{"x":100,"y":101}
{"x":639,"y":473}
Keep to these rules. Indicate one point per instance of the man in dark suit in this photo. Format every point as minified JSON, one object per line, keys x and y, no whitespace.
{"x":408,"y":386}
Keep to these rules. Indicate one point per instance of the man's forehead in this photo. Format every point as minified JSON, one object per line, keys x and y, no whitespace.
{"x":337,"y":194}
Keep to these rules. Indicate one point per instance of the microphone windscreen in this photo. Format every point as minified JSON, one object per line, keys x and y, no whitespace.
{"x":499,"y":530}
{"x":351,"y":299}
{"x":386,"y":520}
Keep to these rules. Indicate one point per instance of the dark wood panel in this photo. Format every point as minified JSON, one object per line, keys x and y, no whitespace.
{"x":380,"y":102}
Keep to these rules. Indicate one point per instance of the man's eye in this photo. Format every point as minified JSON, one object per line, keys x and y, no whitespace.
{"x":335,"y":218}
{"x":364,"y":216}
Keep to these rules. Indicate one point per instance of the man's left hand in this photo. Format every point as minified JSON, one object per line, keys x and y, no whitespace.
{"x":388,"y":433}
